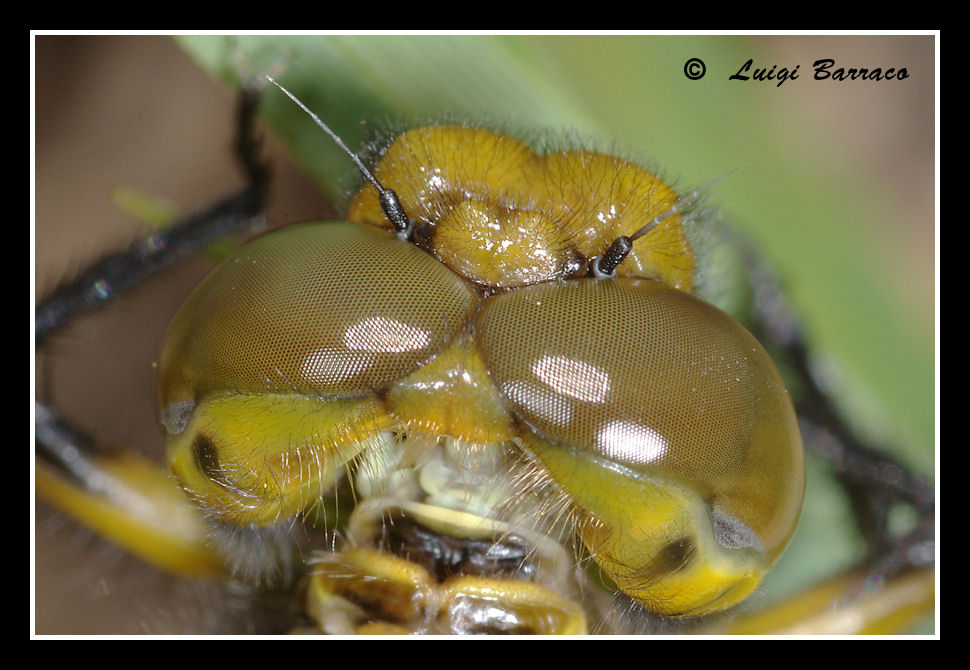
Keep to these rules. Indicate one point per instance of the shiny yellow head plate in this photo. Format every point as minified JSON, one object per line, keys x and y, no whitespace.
{"x":504,"y":216}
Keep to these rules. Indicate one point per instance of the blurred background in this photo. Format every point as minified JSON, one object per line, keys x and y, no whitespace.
{"x":835,"y":187}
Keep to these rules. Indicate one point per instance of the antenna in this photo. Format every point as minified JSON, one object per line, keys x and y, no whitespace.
{"x":390,"y":203}
{"x":605,"y":266}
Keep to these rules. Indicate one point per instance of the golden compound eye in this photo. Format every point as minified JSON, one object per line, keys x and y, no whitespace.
{"x":265,"y":370}
{"x":444,"y":373}
{"x":665,"y":423}
{"x":335,"y":309}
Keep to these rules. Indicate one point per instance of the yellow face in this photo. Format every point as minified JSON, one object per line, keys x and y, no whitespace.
{"x":623,"y":412}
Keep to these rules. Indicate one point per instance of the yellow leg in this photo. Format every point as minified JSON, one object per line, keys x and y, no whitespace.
{"x":136,"y":505}
{"x":849,"y":604}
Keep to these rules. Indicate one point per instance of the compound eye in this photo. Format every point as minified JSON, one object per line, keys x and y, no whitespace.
{"x":320,"y":308}
{"x":664,"y":422}
{"x":269,"y":373}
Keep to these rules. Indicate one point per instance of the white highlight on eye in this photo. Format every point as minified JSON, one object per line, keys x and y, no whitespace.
{"x":632,"y":443}
{"x":382,"y":335}
{"x":573,"y":378}
{"x":327,"y":364}
{"x":376,"y":335}
{"x":539,"y":401}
